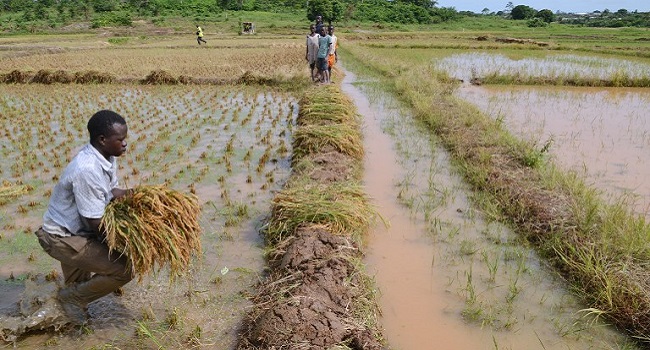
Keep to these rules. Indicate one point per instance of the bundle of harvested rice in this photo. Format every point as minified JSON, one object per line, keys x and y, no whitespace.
{"x":160,"y":77}
{"x":342,"y":208}
{"x":154,"y":226}
{"x":317,"y":138}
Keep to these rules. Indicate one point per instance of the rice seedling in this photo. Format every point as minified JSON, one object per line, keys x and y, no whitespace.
{"x":9,"y":192}
{"x":313,"y":139}
{"x":571,"y":70}
{"x":154,"y":226}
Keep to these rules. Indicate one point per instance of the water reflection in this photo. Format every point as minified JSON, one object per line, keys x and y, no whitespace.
{"x":553,"y":66}
{"x":600,"y":133}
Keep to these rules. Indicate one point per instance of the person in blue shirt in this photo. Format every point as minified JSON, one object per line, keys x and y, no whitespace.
{"x":324,"y":43}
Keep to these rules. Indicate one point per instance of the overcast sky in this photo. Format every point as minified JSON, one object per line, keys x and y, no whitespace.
{"x":553,"y":5}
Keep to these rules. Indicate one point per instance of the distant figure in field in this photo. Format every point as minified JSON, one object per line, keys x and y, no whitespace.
{"x":333,"y":57}
{"x":324,"y":43}
{"x":199,"y":35}
{"x":311,"y":53}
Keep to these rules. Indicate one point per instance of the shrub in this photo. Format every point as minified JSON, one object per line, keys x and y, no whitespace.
{"x":537,"y":22}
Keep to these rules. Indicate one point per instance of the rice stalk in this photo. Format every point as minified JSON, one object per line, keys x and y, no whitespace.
{"x":154,"y":226}
{"x":342,"y":208}
{"x":8,"y":192}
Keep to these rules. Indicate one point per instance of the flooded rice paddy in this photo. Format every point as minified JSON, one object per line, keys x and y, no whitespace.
{"x":446,"y":274}
{"x":468,"y":65}
{"x":230,"y":146}
{"x":602,"y":134}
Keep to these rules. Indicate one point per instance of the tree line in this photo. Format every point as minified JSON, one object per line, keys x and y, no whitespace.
{"x":19,"y":14}
{"x":120,"y":12}
{"x":597,"y":18}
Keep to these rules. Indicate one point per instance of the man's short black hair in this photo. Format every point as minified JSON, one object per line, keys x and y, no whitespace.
{"x":101,"y":123}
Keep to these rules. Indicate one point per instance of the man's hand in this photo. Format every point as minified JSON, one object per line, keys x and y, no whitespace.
{"x":94,"y":225}
{"x":119,"y":193}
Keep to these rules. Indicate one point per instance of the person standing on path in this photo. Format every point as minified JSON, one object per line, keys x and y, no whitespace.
{"x":333,"y":57}
{"x":199,"y":35}
{"x":324,"y":43}
{"x":319,"y":24}
{"x":71,"y":225}
{"x":311,"y":53}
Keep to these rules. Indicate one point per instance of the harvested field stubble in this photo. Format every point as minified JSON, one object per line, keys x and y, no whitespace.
{"x":316,"y":295}
{"x":261,"y":59}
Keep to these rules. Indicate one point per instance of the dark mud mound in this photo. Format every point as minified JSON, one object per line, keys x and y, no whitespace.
{"x":37,"y":310}
{"x":307,"y":302}
{"x":328,"y":167}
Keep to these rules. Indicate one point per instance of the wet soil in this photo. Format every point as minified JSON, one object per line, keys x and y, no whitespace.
{"x":445,"y":273}
{"x":318,"y":276}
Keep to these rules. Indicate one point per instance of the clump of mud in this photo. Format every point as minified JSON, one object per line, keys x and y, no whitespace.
{"x":248,"y":78}
{"x":37,"y":310}
{"x":521,"y":41}
{"x":307,"y":300}
{"x":185,"y":80}
{"x":328,"y":167}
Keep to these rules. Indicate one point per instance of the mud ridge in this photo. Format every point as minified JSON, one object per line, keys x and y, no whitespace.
{"x":316,"y":295}
{"x":155,"y":77}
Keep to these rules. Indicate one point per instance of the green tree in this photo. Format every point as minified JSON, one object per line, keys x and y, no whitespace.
{"x":428,"y":4}
{"x":509,"y":7}
{"x":522,"y":12}
{"x":331,"y":10}
{"x":546,"y":15}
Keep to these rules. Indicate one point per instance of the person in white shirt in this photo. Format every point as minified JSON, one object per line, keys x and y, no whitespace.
{"x":71,"y":225}
{"x":333,"y":57}
{"x":311,"y":52}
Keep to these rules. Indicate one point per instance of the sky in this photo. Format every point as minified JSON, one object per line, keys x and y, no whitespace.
{"x":576,"y":6}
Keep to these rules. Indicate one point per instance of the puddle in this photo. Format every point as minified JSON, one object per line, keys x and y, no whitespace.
{"x":230,"y":145}
{"x":479,"y":64}
{"x":602,"y":134}
{"x":445,"y":274}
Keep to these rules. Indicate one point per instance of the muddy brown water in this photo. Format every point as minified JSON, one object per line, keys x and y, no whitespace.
{"x":447,"y":276}
{"x":602,"y":134}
